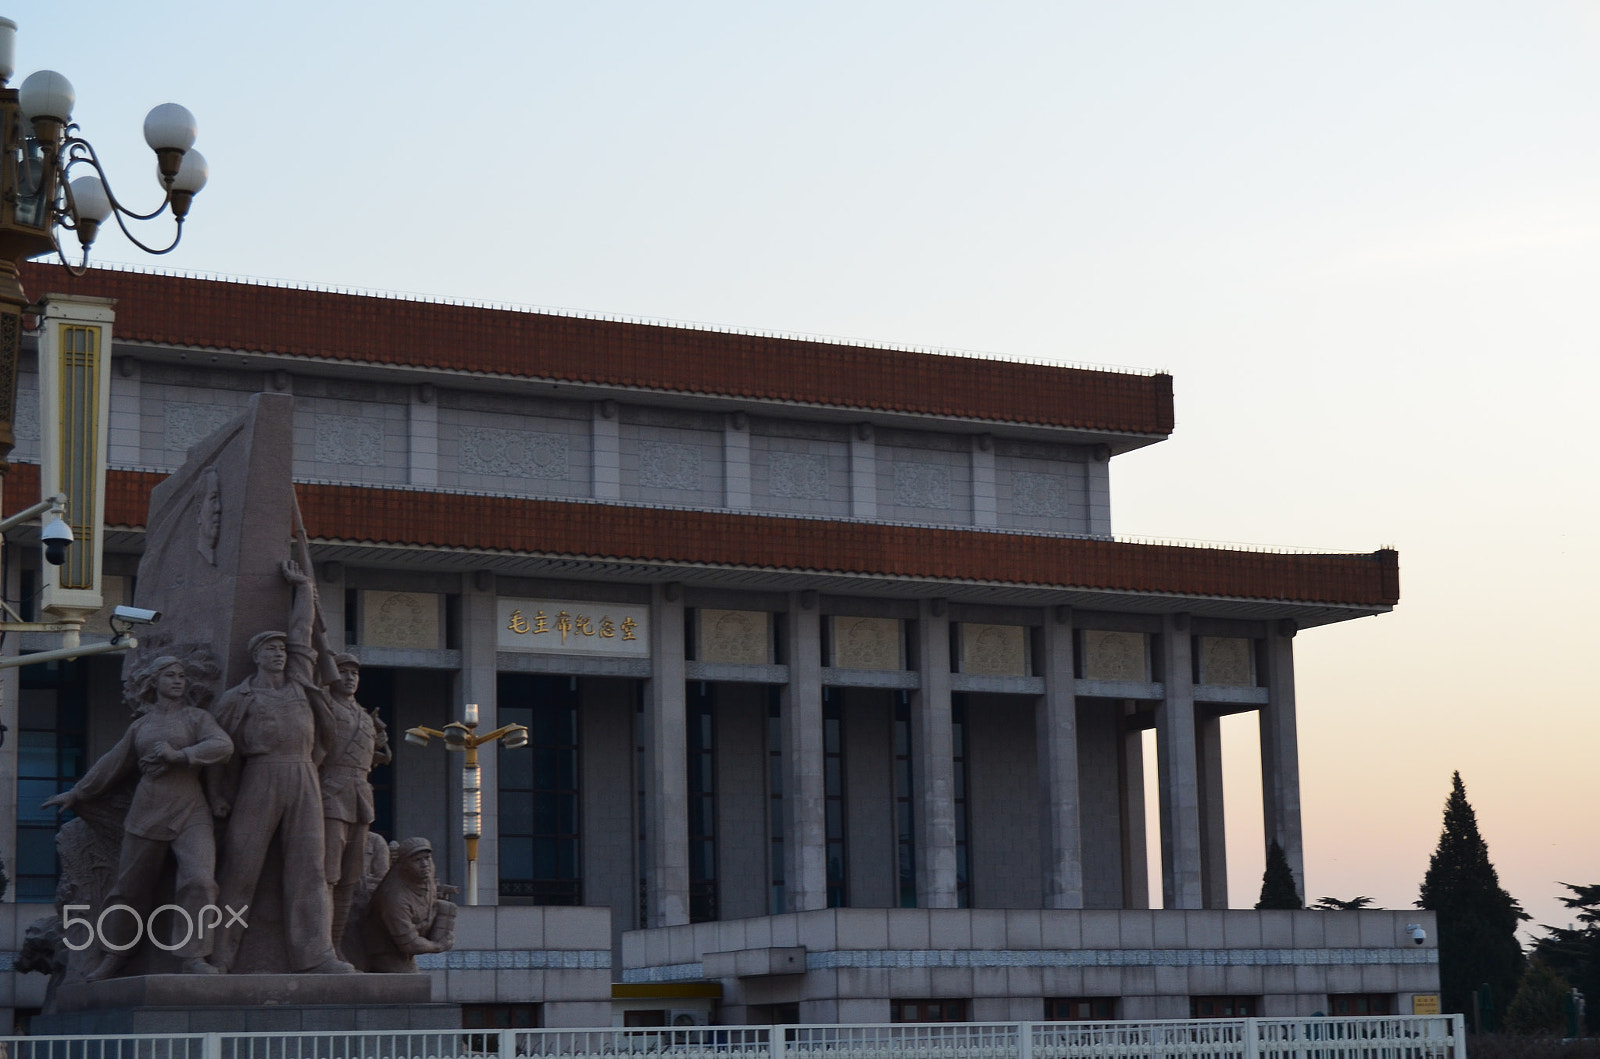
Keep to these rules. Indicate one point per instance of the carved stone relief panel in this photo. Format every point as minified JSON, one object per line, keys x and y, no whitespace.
{"x":669,"y":465}
{"x":400,"y":619}
{"x":1116,"y":655}
{"x":1228,"y":661}
{"x":515,"y":453}
{"x":921,"y":485}
{"x":349,"y":440}
{"x":739,"y":637}
{"x":802,"y":475}
{"x":186,"y":424}
{"x":26,"y":425}
{"x":866,"y":643}
{"x":994,"y":650}
{"x":1043,"y":495}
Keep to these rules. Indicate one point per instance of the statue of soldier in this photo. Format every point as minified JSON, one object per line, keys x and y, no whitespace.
{"x":359,"y":744}
{"x":277,"y":719}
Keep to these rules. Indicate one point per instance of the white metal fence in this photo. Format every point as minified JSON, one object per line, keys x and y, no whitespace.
{"x":1396,"y":1037}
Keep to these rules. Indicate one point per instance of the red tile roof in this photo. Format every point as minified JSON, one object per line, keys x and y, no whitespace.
{"x":212,"y":314}
{"x":620,"y":533}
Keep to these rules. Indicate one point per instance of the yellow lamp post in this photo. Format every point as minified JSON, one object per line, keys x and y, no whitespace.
{"x":462,"y":736}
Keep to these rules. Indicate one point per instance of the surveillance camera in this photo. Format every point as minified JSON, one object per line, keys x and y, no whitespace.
{"x":1418,"y":935}
{"x":136,"y":615}
{"x":56,"y":537}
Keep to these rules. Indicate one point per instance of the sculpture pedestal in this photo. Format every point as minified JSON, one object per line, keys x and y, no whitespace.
{"x":248,"y":1003}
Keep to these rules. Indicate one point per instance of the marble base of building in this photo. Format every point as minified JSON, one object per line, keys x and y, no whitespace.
{"x":849,"y":965}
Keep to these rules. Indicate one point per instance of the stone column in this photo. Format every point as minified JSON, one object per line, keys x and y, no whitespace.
{"x":932,"y":768}
{"x":480,"y":684}
{"x":125,"y":440}
{"x":666,"y":778}
{"x":863,"y":472}
{"x":1097,"y":483}
{"x":1061,"y":835}
{"x":1280,"y":755}
{"x":1213,"y":835}
{"x":984,"y":496}
{"x":422,"y":464}
{"x":605,"y":445}
{"x":805,"y":833}
{"x":736,"y":461}
{"x":1178,"y":778}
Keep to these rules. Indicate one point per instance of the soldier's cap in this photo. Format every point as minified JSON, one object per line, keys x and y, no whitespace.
{"x":262,"y":637}
{"x":408,"y":846}
{"x":345,"y":658}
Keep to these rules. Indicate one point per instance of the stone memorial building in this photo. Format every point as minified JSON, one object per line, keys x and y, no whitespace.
{"x":837,"y":679}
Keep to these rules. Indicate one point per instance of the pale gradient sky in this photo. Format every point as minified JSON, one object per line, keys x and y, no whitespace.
{"x":1361,"y":236}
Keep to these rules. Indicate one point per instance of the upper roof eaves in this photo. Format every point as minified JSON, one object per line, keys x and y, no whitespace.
{"x":166,"y":309}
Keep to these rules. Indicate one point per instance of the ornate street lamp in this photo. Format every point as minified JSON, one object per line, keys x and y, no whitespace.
{"x":462,"y":736}
{"x":39,"y":196}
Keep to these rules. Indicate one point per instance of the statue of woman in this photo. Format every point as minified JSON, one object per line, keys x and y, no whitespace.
{"x":169,"y":741}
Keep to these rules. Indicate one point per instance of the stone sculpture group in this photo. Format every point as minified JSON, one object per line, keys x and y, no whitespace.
{"x":232,"y":829}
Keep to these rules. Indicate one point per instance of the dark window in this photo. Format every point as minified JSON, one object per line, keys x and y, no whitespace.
{"x":905,"y":816}
{"x":1357,"y":1004}
{"x":775,"y":801}
{"x":774,"y":1014}
{"x":1080,"y":1009}
{"x":958,"y":768}
{"x":650,"y":1017}
{"x":1223,"y":1007}
{"x":928,"y":1010}
{"x":500,"y":1016}
{"x":377,"y":692}
{"x":702,"y":782}
{"x":833,"y":796}
{"x":539,"y":791}
{"x":51,"y":746}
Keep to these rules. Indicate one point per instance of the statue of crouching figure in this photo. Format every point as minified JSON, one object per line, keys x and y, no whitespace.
{"x":407,"y":914}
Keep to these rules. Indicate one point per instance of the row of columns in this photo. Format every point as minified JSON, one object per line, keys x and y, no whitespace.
{"x":1193,"y":860}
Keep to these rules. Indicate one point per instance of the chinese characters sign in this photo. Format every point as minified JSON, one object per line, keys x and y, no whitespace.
{"x":574,"y":627}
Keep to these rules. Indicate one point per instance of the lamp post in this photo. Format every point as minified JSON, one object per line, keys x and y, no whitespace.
{"x":39,"y":150}
{"x":461,"y":736}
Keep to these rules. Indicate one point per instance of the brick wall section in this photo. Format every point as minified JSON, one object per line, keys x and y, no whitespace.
{"x":615,"y":532}
{"x":239,"y":316}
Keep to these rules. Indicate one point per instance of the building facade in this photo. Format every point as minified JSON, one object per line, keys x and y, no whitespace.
{"x":836,"y":676}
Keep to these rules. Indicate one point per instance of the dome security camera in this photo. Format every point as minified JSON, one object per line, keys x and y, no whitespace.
{"x":1418,"y":935}
{"x":56,"y":537}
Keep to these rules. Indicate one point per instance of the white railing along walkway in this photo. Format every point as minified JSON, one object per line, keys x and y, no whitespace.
{"x":1393,"y":1037}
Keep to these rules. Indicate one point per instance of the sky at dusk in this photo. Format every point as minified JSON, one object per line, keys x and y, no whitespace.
{"x":1361,"y":236}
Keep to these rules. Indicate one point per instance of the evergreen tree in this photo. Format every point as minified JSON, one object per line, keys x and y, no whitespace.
{"x":1540,"y":1006}
{"x":1477,"y":919}
{"x":1573,"y":952}
{"x":1277,"y":882}
{"x":1333,"y":904}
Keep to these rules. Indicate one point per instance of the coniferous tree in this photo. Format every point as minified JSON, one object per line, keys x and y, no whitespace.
{"x":1477,"y":919}
{"x":1573,"y":952}
{"x":1277,"y":882}
{"x":1540,"y":1006}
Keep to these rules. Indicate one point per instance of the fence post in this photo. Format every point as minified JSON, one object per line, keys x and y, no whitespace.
{"x":1024,"y":1040}
{"x":778,"y":1042}
{"x":1460,"y":1028}
{"x":211,"y":1046}
{"x":1252,"y":1039}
